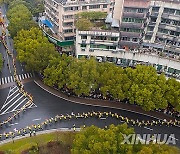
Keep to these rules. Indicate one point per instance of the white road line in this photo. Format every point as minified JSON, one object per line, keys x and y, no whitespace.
{"x":8,"y":79}
{"x":2,"y":81}
{"x":12,"y":93}
{"x":173,"y":138}
{"x":19,"y":104}
{"x":19,"y":77}
{"x":12,"y":79}
{"x":36,"y":119}
{"x":13,"y":124}
{"x":25,"y":76}
{"x":22,"y":76}
{"x":102,"y":118}
{"x":12,"y":104}
{"x":5,"y":80}
{"x":149,"y":128}
{"x":12,"y":88}
{"x":10,"y":101}
{"x":28,"y":76}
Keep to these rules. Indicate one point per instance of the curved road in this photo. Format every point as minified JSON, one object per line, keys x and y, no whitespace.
{"x":47,"y":105}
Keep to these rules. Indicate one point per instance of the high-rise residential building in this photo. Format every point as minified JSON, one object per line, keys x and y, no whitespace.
{"x":62,"y":14}
{"x":163,"y":27}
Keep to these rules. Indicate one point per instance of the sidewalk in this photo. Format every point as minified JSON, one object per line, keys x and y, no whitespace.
{"x":104,"y":103}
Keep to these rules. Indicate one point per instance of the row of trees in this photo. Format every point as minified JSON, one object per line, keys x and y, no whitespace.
{"x":141,"y":85}
{"x":83,"y":76}
{"x":94,"y":140}
{"x":20,"y":17}
{"x":35,"y":6}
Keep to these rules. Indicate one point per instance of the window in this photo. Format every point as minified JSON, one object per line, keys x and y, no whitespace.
{"x":126,"y":38}
{"x":140,"y":10}
{"x":134,"y":39}
{"x":114,"y":38}
{"x":84,"y":7}
{"x":84,"y":37}
{"x":68,"y":17}
{"x":83,"y":45}
{"x":68,"y":24}
{"x":147,"y":37}
{"x":94,"y":6}
{"x":165,"y":31}
{"x":105,"y":6}
{"x":68,"y":9}
{"x":150,"y":28}
{"x":155,"y":9}
{"x":76,"y":8}
{"x":68,"y":30}
{"x":178,"y":12}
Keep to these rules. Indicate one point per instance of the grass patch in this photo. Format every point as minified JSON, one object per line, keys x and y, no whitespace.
{"x":66,"y":138}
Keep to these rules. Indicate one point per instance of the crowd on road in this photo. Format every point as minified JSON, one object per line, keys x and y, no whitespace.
{"x":19,"y":83}
{"x":97,"y":95}
{"x":59,"y":118}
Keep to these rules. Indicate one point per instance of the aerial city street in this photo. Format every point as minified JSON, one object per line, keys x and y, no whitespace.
{"x":70,"y":65}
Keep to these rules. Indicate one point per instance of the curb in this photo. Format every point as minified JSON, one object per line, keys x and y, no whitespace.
{"x":40,"y":133}
{"x":93,"y":104}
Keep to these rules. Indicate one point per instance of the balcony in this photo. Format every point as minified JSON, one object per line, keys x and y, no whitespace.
{"x":134,"y":15}
{"x":130,"y":34}
{"x":132,"y":25}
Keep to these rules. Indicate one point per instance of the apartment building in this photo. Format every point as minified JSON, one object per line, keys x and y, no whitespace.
{"x":163,"y":27}
{"x":133,"y":22}
{"x":62,"y":14}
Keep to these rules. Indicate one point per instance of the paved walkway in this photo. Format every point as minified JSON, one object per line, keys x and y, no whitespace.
{"x":104,"y":103}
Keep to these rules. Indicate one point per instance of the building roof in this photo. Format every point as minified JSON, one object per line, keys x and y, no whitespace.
{"x":61,"y":1}
{"x":109,"y":18}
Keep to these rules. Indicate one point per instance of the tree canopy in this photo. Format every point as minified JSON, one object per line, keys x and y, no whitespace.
{"x":34,"y":49}
{"x":20,"y":18}
{"x":94,"y":140}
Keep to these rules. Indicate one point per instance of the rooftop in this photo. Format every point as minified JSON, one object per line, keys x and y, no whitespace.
{"x":64,"y":2}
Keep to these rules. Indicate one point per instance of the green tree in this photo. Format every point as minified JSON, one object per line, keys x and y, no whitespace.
{"x":34,"y":49}
{"x":94,"y":140}
{"x":20,"y":18}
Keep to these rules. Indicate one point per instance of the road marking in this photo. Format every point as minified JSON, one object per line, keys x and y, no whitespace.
{"x":36,"y":119}
{"x":19,"y":77}
{"x":22,"y":76}
{"x":5,"y":80}
{"x":25,"y":75}
{"x":12,"y":89}
{"x":12,"y":93}
{"x":12,"y":79}
{"x":13,"y":124}
{"x":12,"y":104}
{"x":103,"y":118}
{"x":19,"y":104}
{"x":173,"y":138}
{"x":28,"y":75}
{"x":2,"y":81}
{"x":149,"y":128}
{"x":8,"y":79}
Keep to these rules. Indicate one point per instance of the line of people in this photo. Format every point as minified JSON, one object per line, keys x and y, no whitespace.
{"x":20,"y":85}
{"x":58,"y":118}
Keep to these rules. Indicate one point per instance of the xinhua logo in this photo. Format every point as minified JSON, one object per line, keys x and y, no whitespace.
{"x":149,"y":138}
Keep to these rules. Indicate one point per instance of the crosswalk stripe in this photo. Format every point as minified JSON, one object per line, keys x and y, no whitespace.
{"x":2,"y":80}
{"x":19,"y":77}
{"x":11,"y":79}
{"x":19,"y":104}
{"x":12,"y":104}
{"x":13,"y":88}
{"x":5,"y":80}
{"x":28,"y":75}
{"x":8,"y":79}
{"x":22,"y":76}
{"x":10,"y":100}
